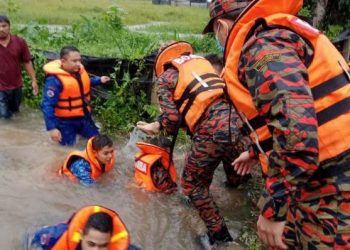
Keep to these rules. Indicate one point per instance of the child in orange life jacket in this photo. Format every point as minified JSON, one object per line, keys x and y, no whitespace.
{"x":86,"y":166}
{"x":154,"y":170}
{"x":91,"y":227}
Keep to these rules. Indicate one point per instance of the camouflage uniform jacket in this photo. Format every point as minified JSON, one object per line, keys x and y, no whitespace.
{"x":212,"y":125}
{"x":279,"y":87}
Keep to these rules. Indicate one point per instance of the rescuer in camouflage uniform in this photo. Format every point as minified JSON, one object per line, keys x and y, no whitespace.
{"x":211,"y":145}
{"x":308,"y":200}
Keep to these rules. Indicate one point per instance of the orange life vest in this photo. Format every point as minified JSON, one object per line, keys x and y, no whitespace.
{"x":197,"y":87}
{"x":71,"y":238}
{"x":169,"y":53}
{"x":74,"y":99}
{"x":145,"y":160}
{"x":328,"y":79}
{"x":96,"y":168}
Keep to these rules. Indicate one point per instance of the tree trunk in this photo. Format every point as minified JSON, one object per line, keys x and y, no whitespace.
{"x":319,"y":12}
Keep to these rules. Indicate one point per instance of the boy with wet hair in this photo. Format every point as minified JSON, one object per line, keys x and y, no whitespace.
{"x":86,"y":166}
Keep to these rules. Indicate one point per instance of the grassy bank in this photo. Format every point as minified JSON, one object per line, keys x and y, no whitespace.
{"x":66,"y":12}
{"x":102,"y":32}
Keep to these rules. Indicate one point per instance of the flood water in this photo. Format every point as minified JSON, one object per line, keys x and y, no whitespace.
{"x":32,"y":195}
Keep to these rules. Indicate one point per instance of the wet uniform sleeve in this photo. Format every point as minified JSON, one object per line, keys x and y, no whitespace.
{"x":170,"y":116}
{"x":95,"y":80}
{"x":45,"y":238}
{"x":273,"y":68}
{"x":51,"y":92}
{"x":82,"y":170}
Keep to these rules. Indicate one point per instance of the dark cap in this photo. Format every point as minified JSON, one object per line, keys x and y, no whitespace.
{"x":221,"y":7}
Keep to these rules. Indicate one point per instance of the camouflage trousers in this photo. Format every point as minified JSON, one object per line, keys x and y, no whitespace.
{"x":321,"y":223}
{"x":203,"y":159}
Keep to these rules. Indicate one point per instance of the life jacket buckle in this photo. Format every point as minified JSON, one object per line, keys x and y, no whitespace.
{"x":254,"y":135}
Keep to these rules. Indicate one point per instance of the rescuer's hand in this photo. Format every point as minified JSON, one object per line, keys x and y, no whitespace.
{"x":55,"y":135}
{"x":271,"y":233}
{"x":149,"y":128}
{"x":105,"y":79}
{"x":35,"y":87}
{"x":243,"y":165}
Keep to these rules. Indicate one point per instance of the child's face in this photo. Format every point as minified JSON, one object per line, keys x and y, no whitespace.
{"x":105,"y":155}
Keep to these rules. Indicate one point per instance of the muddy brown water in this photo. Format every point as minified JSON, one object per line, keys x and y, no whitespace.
{"x":32,"y":195}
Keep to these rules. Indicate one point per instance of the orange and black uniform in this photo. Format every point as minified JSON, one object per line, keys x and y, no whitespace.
{"x":211,"y":142}
{"x":293,"y":88}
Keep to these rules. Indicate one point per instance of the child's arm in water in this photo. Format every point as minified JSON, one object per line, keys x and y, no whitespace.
{"x":82,"y":171}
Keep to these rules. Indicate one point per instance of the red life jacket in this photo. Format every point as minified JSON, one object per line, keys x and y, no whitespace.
{"x":328,"y":79}
{"x":73,"y":99}
{"x":71,"y":238}
{"x":145,"y":160}
{"x":96,"y":168}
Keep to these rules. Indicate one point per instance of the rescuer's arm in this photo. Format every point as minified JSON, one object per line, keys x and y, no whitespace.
{"x":97,"y":80}
{"x":170,"y":116}
{"x":273,"y":68}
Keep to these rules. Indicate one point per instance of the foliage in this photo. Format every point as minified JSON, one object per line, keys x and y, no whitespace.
{"x":11,"y":7}
{"x":305,"y":11}
{"x":333,"y":31}
{"x":29,"y":99}
{"x":125,"y":105}
{"x":250,"y":238}
{"x":103,"y":35}
{"x":52,"y":11}
{"x":127,"y":102}
{"x":337,"y":14}
{"x":176,"y":18}
{"x":206,"y":44}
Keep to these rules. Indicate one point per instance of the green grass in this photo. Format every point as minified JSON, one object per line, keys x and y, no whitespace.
{"x":54,"y":11}
{"x":97,"y":28}
{"x":65,"y":12}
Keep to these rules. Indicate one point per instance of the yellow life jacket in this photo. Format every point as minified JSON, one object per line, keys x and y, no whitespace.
{"x":71,"y":238}
{"x":96,"y":168}
{"x":74,"y":100}
{"x":145,"y":160}
{"x":197,"y":87}
{"x":328,"y":79}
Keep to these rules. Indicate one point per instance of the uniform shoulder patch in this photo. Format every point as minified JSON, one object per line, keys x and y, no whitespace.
{"x":262,"y":62}
{"x":50,"y":93}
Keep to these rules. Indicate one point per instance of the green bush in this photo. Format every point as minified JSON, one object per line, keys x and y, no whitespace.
{"x":125,"y":105}
{"x":29,"y":99}
{"x":104,"y":35}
